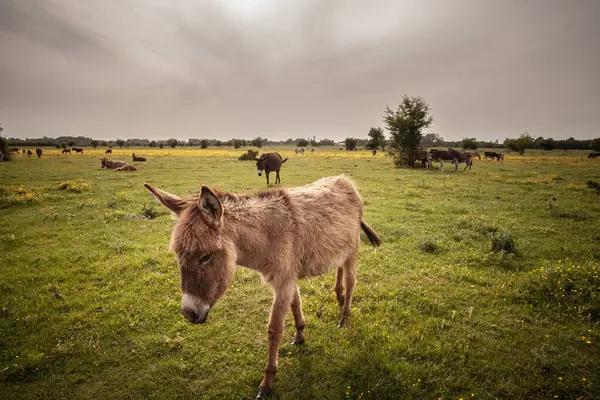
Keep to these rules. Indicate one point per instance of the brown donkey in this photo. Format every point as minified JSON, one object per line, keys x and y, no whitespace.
{"x":269,"y":162}
{"x":284,"y":234}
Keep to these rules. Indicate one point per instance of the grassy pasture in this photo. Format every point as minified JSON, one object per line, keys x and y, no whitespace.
{"x":89,"y":293}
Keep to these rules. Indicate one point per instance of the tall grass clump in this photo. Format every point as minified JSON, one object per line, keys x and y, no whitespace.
{"x":76,"y":186}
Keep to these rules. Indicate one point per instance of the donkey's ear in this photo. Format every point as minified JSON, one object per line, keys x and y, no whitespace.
{"x":172,"y":202}
{"x":210,"y":204}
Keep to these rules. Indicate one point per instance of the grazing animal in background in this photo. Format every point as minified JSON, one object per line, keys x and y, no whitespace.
{"x":29,"y":153}
{"x":108,"y":164}
{"x":15,"y":150}
{"x":77,"y":150}
{"x":500,"y":156}
{"x":108,"y":151}
{"x":23,"y":151}
{"x":269,"y":162}
{"x":126,"y":167}
{"x":374,"y":152}
{"x":312,"y":150}
{"x":464,"y":157}
{"x":490,"y":155}
{"x":475,"y":154}
{"x":137,"y":158}
{"x":38,"y":151}
{"x":66,"y":151}
{"x":284,"y":234}
{"x":445,"y":155}
{"x":299,"y":151}
{"x":594,"y":155}
{"x":421,"y":156}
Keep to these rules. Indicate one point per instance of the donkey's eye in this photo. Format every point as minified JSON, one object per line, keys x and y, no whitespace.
{"x":206,"y":258}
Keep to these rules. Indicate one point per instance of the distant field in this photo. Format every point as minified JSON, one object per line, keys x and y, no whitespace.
{"x":90,"y":300}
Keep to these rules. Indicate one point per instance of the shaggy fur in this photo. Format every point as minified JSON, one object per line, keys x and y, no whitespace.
{"x":284,"y":234}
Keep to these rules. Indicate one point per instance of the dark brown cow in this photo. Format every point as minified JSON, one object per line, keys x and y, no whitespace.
{"x":269,"y":162}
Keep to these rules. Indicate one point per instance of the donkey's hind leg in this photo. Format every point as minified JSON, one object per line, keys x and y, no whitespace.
{"x":298,"y":318}
{"x":339,"y":286}
{"x":349,"y":268}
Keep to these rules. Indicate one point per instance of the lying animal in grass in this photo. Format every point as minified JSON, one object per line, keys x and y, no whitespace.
{"x":137,"y":158}
{"x":284,"y":234}
{"x":108,"y":164}
{"x":127,"y":167}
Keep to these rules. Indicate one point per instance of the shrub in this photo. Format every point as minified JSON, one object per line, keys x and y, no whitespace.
{"x":302,"y":143}
{"x":204,"y":143}
{"x":567,"y":288}
{"x":502,"y":242}
{"x":428,"y":245}
{"x":76,"y":186}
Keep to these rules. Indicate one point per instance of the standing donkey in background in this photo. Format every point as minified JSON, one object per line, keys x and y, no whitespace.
{"x":284,"y":234}
{"x":269,"y":162}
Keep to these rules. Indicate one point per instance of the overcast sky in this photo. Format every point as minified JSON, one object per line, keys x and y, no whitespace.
{"x":297,"y":68}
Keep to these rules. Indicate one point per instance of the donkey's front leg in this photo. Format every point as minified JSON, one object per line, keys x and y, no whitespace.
{"x":282,"y":302}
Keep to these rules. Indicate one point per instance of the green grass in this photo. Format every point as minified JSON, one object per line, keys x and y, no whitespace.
{"x":486,"y":285}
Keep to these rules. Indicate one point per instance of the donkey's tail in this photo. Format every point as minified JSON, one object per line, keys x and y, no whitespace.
{"x":371,"y":234}
{"x":284,"y":160}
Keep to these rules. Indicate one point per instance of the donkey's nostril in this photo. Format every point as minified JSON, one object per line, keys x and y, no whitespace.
{"x":189,"y":314}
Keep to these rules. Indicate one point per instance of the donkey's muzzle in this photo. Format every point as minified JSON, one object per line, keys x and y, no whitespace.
{"x":259,"y":172}
{"x":193,"y":316}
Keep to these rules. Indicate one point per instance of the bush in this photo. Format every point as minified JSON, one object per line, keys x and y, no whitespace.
{"x":204,"y":144}
{"x":428,"y":245}
{"x":502,"y":242}
{"x":469,"y":144}
{"x":350,"y":144}
{"x":567,"y":288}
{"x":302,"y":143}
{"x":172,"y":143}
{"x":76,"y":186}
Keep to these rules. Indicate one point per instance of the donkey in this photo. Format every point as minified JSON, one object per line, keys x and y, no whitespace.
{"x":284,"y":234}
{"x":422,"y":156}
{"x":299,"y":151}
{"x":29,"y":153}
{"x":126,"y":167}
{"x":441,"y":156}
{"x":269,"y":162}
{"x":490,"y":155}
{"x":66,"y":151}
{"x":77,"y":150}
{"x":374,"y":152}
{"x":108,"y":151}
{"x":38,"y":151}
{"x":137,"y":158}
{"x":464,"y":157}
{"x":594,"y":155}
{"x":108,"y":164}
{"x":475,"y":154}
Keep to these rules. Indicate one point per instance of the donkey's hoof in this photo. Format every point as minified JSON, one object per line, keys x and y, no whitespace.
{"x":297,"y":341}
{"x":341,"y":323}
{"x":263,"y":393}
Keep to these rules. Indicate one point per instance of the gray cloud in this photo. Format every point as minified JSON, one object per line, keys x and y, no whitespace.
{"x":297,"y":68}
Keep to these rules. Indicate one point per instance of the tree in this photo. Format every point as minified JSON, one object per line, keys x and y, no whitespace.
{"x":350,"y":144}
{"x":161,"y":145}
{"x":406,"y":125}
{"x":71,"y":143}
{"x":4,"y":146}
{"x":595,"y":144}
{"x":377,"y":139}
{"x":237,"y":143}
{"x":172,"y":143}
{"x":204,"y":143}
{"x":218,"y":143}
{"x":258,"y":142}
{"x":525,"y":141}
{"x":469,"y":144}
{"x":302,"y":143}
{"x":327,"y":142}
{"x":120,"y":143}
{"x":63,"y":145}
{"x":548,"y":144}
{"x":94,"y":143}
{"x":432,"y":140}
{"x":152,"y":143}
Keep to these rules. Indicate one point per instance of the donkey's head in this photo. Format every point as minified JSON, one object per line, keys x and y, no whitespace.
{"x":206,"y":258}
{"x":260,"y":163}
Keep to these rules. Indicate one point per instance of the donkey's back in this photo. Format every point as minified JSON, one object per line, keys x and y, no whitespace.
{"x":327,"y":215}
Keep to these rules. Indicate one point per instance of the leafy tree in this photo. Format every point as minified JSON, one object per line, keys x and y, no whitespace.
{"x":595,"y":144}
{"x":327,"y":142}
{"x":377,"y":139}
{"x":237,"y":143}
{"x":120,"y":143}
{"x":432,"y":140}
{"x":525,"y":141}
{"x":469,"y":144}
{"x":152,"y":143}
{"x":4,"y":146}
{"x":406,"y":125}
{"x":314,"y":143}
{"x":63,"y":145}
{"x":94,"y":143}
{"x":203,"y":143}
{"x":258,"y":142}
{"x":548,"y":144}
{"x":244,"y":143}
{"x":302,"y":143}
{"x":172,"y":143}
{"x":218,"y":143}
{"x":71,"y":143}
{"x":350,"y":144}
{"x":161,"y":145}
